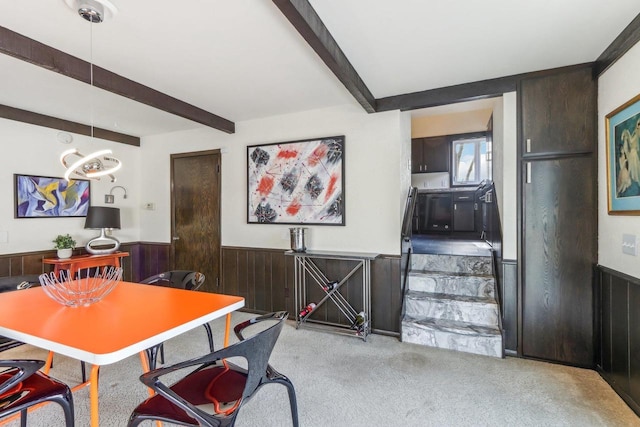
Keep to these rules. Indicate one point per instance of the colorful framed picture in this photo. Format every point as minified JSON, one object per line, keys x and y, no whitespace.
{"x":49,"y":197}
{"x":623,"y":158}
{"x":296,"y":182}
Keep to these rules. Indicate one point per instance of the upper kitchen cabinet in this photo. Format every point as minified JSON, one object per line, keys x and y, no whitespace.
{"x":565,"y":104}
{"x":430,"y":154}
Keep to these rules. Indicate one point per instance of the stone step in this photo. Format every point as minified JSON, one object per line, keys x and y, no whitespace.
{"x":452,"y":283}
{"x":452,"y":335}
{"x":477,"y":310}
{"x":481,"y":265}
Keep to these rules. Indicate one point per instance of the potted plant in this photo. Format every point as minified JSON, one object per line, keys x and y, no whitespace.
{"x":64,"y":245}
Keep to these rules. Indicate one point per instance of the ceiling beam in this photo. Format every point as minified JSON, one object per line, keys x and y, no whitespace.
{"x":625,"y":41}
{"x":37,"y":119}
{"x":42,"y":55}
{"x":307,"y":22}
{"x":490,"y":88}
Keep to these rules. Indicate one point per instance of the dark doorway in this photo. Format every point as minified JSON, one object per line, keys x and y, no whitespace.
{"x":195,"y":214}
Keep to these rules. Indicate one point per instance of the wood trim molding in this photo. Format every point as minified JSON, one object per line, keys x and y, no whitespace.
{"x":307,"y":22}
{"x":42,"y":55}
{"x":625,"y":41}
{"x":30,"y":117}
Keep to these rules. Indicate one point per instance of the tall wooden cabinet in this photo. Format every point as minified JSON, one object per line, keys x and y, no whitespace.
{"x":558,"y":216}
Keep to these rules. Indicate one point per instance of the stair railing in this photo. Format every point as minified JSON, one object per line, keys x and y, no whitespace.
{"x":407,"y":226}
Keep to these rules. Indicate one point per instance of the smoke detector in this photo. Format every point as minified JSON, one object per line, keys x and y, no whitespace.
{"x":94,"y":11}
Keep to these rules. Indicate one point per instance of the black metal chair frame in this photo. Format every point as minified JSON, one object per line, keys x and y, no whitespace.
{"x":23,"y":371}
{"x":189,"y":280}
{"x":256,"y":350}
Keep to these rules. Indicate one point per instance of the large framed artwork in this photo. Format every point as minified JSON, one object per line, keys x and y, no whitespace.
{"x":623,"y":158}
{"x":49,"y":197}
{"x":296,"y":182}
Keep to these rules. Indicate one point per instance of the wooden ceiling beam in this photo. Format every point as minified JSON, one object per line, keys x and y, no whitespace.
{"x":490,"y":88}
{"x":307,"y":22}
{"x":42,"y":55}
{"x":37,"y":119}
{"x":625,"y":41}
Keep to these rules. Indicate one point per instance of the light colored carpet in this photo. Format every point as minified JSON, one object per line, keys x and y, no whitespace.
{"x":343,"y":381}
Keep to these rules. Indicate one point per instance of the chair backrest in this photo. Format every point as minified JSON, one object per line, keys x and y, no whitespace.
{"x":179,"y":279}
{"x":16,"y":283}
{"x":23,"y":369}
{"x":255,"y":349}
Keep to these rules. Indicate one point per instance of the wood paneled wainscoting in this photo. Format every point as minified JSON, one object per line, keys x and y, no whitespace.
{"x":617,"y":333}
{"x":264,"y":277}
{"x":144,"y":260}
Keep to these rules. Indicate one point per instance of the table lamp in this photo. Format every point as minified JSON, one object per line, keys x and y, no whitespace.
{"x":101,"y":217}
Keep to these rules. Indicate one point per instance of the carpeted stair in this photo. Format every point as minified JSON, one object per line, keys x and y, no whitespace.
{"x":450,"y":303}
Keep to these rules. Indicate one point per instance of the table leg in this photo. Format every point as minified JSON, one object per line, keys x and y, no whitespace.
{"x":48,"y":363}
{"x":227,"y":329}
{"x":93,"y":395}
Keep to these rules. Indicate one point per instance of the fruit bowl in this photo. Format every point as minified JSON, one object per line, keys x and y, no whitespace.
{"x":84,"y":290}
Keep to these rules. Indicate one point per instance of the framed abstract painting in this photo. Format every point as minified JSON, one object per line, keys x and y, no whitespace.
{"x":296,"y":182}
{"x":623,"y":158}
{"x":49,"y":197}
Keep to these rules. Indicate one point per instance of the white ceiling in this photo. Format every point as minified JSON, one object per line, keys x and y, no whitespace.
{"x":242,"y":59}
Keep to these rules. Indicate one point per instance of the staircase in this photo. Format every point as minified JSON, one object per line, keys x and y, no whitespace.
{"x":450,"y":302}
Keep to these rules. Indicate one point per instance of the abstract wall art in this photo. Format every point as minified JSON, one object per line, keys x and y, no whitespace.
{"x":49,"y":197}
{"x":296,"y":182}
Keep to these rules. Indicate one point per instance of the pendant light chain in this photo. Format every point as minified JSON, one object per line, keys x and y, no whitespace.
{"x":91,"y":97}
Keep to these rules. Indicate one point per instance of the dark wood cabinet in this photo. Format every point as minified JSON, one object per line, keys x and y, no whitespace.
{"x":464,"y":211}
{"x":558,"y":112}
{"x":559,"y":225}
{"x":430,"y":154}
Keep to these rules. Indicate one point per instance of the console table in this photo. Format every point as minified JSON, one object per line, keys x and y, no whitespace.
{"x":305,"y":266}
{"x":79,"y":262}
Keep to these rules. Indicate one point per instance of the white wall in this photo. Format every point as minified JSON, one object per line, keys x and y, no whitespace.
{"x":34,"y":150}
{"x":616,"y":86}
{"x":508,"y":212}
{"x":375,"y":161}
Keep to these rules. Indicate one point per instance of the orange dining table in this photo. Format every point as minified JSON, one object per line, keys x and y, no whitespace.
{"x":129,"y":320}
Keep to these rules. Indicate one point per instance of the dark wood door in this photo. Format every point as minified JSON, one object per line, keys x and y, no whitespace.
{"x":559,"y":215}
{"x":195,"y":219}
{"x":416,"y":156}
{"x":435,"y":153}
{"x":564,"y":104}
{"x":463,"y":216}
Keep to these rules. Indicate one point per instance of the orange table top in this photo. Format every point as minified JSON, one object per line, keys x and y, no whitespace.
{"x":132,"y":318}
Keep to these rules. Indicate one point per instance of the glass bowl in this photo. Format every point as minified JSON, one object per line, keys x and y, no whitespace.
{"x":84,"y":290}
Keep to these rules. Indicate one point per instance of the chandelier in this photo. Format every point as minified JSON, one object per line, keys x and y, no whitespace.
{"x":99,"y":163}
{"x":92,"y":166}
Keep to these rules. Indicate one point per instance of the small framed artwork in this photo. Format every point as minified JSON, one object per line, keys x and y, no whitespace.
{"x":49,"y":197}
{"x":623,"y":158}
{"x":296,"y":182}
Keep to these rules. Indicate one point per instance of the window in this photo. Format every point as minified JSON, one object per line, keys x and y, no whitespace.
{"x":470,"y":161}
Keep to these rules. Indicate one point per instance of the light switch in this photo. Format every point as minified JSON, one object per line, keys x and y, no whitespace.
{"x":629,"y":244}
{"x":4,"y":237}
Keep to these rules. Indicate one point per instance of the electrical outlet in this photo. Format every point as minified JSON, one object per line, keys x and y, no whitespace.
{"x":629,"y":244}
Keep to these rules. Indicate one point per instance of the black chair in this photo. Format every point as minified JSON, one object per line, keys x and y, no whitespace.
{"x":15,"y":283}
{"x":178,"y":279}
{"x":22,"y":386}
{"x":217,"y":382}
